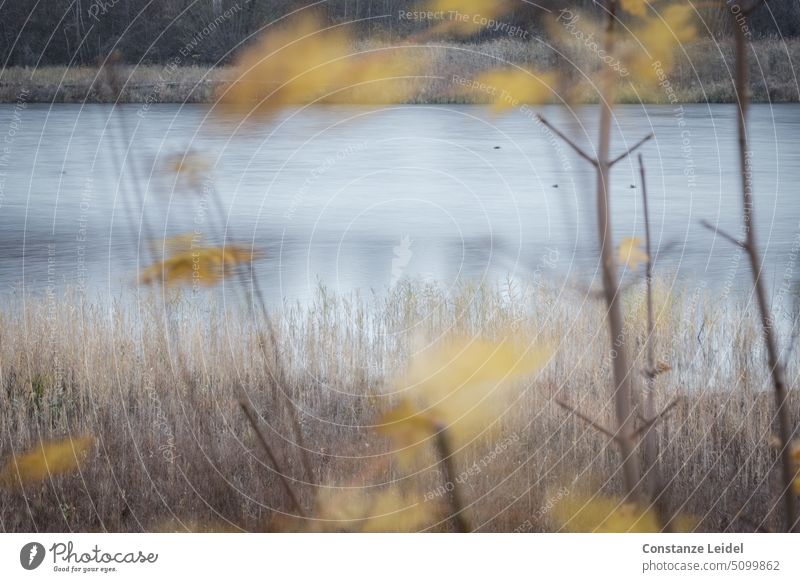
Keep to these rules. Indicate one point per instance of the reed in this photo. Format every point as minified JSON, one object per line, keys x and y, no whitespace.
{"x":173,"y":454}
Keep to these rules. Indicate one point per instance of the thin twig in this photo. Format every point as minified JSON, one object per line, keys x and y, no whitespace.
{"x":648,"y":423}
{"x":594,"y":424}
{"x":264,"y":445}
{"x":635,"y":147}
{"x":651,"y":454}
{"x":723,"y":234}
{"x":567,"y":140}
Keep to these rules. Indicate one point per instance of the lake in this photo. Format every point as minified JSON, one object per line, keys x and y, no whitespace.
{"x":358,"y":198}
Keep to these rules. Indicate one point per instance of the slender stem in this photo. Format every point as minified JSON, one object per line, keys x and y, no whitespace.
{"x":650,"y":441}
{"x":624,"y":384}
{"x":449,"y":474}
{"x":775,"y":366}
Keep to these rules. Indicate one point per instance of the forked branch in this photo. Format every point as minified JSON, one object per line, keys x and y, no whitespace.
{"x":632,"y":149}
{"x":567,"y":140}
{"x":593,"y":423}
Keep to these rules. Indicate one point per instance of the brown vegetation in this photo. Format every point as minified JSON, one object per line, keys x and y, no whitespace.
{"x":175,"y":455}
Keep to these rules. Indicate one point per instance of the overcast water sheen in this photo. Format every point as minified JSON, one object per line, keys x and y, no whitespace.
{"x":359,"y":198}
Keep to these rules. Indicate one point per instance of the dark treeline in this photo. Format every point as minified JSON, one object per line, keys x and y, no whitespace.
{"x":83,"y":32}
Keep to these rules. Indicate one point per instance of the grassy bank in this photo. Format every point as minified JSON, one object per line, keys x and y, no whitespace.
{"x":173,"y":451}
{"x":703,"y":74}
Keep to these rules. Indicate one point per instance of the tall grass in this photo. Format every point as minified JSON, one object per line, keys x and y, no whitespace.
{"x":173,"y":454}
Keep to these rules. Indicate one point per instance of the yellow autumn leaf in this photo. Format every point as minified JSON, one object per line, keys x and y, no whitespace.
{"x":47,"y":458}
{"x":598,"y":514}
{"x":409,"y":428}
{"x":307,"y":62}
{"x":465,"y":17}
{"x":176,"y":244}
{"x":513,"y":87}
{"x":378,"y":76}
{"x":367,"y":510}
{"x":653,"y":54}
{"x":461,"y":383}
{"x":202,"y":265}
{"x":635,"y":7}
{"x":630,"y":253}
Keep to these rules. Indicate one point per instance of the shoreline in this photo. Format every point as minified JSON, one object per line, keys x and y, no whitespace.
{"x":702,"y":76}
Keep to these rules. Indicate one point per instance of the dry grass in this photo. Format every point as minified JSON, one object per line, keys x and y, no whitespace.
{"x":703,"y":74}
{"x":174,"y":451}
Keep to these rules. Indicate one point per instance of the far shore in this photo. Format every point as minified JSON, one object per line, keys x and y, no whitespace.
{"x":702,"y":75}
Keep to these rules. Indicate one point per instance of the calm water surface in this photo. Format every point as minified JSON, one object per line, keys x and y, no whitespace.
{"x":360,"y":198}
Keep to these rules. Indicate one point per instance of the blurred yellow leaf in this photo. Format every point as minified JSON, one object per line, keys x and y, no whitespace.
{"x":597,"y":514}
{"x":635,"y":7}
{"x":366,"y":510}
{"x":202,"y":265}
{"x":461,"y":383}
{"x":630,"y":253}
{"x":465,"y":17}
{"x":176,"y":244}
{"x":658,"y":38}
{"x":48,"y":458}
{"x":307,"y":62}
{"x":512,"y":87}
{"x":409,"y":428}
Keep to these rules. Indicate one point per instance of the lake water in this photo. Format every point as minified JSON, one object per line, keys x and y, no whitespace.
{"x":359,"y":198}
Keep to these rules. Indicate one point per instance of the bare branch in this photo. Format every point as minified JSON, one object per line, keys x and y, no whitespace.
{"x":272,"y":459}
{"x":568,"y":141}
{"x":785,"y":424}
{"x":723,"y":234}
{"x":595,"y":425}
{"x":635,"y":147}
{"x":650,"y":422}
